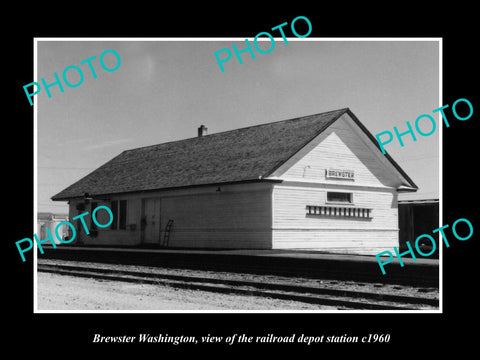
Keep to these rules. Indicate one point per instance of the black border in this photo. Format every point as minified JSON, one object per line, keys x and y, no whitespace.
{"x":410,"y":333}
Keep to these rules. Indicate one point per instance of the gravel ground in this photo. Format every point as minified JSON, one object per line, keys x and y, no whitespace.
{"x":62,"y":292}
{"x":430,"y":293}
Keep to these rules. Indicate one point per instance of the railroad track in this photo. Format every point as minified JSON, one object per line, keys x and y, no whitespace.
{"x":344,"y":299}
{"x":418,"y":275}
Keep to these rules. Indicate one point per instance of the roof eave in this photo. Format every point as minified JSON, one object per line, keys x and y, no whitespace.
{"x":403,"y":189}
{"x":260,"y":179}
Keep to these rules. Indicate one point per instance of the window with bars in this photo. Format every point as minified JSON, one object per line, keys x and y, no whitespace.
{"x":335,"y":211}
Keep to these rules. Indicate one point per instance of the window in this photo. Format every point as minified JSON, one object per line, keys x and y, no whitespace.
{"x":119,"y":211}
{"x":122,"y":220}
{"x":114,"y":208}
{"x":339,"y":197}
{"x":92,"y":223}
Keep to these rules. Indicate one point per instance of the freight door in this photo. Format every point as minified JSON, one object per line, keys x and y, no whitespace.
{"x":151,"y":221}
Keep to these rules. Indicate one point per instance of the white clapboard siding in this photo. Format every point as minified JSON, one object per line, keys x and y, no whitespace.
{"x":341,"y":147}
{"x":238,"y":216}
{"x":226,"y":219}
{"x":221,"y":239}
{"x":289,"y":209}
{"x":336,"y":241}
{"x":293,"y":228}
{"x":107,"y":236}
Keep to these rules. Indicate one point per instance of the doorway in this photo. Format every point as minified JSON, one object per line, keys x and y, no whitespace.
{"x":151,"y":221}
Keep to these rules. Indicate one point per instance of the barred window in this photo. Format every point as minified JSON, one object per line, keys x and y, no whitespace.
{"x":335,"y":211}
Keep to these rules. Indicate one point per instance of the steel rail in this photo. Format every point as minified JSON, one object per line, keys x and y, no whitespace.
{"x":307,"y":294}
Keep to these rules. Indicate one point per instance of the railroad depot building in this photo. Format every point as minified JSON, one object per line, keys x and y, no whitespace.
{"x":315,"y":182}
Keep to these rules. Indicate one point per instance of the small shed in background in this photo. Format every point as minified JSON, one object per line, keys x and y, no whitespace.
{"x":417,"y":217}
{"x":47,"y":220}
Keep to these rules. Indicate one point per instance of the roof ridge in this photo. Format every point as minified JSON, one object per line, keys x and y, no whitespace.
{"x":317,"y":133}
{"x":243,"y":128}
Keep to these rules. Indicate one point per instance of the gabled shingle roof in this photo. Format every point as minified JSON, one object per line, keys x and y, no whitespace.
{"x":241,"y":155}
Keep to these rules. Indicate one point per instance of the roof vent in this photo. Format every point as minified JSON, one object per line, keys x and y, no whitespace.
{"x":202,"y":131}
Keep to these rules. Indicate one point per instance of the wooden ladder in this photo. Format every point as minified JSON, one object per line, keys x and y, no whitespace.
{"x":166,"y":236}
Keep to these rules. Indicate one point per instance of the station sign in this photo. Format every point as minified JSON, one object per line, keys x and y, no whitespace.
{"x":339,"y":174}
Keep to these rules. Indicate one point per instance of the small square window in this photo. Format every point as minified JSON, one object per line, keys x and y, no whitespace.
{"x":339,"y":197}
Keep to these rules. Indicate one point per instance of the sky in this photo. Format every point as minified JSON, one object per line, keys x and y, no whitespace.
{"x":165,"y":89}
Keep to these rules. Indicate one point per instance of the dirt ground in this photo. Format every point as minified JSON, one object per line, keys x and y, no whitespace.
{"x":61,"y":292}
